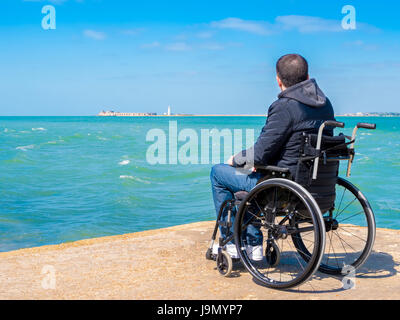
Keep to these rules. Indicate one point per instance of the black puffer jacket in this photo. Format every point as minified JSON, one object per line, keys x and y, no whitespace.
{"x":302,"y":107}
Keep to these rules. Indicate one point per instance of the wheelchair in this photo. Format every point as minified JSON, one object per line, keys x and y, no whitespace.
{"x":315,"y":221}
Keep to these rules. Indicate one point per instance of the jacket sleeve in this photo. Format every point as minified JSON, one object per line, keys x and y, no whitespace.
{"x":272,"y":138}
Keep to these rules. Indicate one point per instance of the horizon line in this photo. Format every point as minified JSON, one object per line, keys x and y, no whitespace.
{"x":367,"y":114}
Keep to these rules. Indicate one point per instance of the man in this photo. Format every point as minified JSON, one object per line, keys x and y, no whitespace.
{"x":301,"y":106}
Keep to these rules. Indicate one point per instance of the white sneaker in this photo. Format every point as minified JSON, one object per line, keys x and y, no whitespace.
{"x":255,"y":253}
{"x":215,"y":249}
{"x":230,"y":249}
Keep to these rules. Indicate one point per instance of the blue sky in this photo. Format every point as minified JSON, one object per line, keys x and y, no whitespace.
{"x":198,"y":56}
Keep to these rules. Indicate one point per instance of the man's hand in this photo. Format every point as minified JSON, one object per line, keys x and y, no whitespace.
{"x":230,"y":161}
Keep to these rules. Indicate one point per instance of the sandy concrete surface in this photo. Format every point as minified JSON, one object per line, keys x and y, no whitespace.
{"x":170,"y":264}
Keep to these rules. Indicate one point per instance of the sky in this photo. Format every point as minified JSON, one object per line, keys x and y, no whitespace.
{"x":200,"y":57}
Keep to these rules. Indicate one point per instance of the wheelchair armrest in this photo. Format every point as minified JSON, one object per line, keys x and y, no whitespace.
{"x":272,"y":169}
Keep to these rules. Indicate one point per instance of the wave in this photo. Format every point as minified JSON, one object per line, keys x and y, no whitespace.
{"x":39,"y":129}
{"x":124,"y":162}
{"x":134,"y":178}
{"x":76,"y":136}
{"x":25,"y":148}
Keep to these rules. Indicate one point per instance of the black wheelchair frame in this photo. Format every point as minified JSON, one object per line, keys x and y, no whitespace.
{"x":287,"y":207}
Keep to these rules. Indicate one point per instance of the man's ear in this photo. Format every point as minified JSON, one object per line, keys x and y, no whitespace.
{"x":308,"y":77}
{"x":279,"y":81}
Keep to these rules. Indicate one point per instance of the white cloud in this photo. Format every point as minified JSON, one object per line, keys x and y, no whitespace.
{"x":154,"y":44}
{"x":256,"y":27}
{"x":178,"y":46}
{"x":181,"y":37}
{"x":182,"y":46}
{"x":212,"y":46}
{"x":307,"y":24}
{"x":132,"y":32}
{"x":302,"y":24}
{"x":51,"y":1}
{"x":361,"y":45}
{"x":96,"y":35}
{"x":204,"y":35}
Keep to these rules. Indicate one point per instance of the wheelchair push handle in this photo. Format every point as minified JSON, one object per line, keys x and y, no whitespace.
{"x":330,"y":123}
{"x":363,"y":125}
{"x":335,"y":124}
{"x":371,"y":126}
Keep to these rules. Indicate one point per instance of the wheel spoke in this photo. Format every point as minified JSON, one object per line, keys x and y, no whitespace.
{"x":341,"y":221}
{"x":297,"y":258}
{"x":259,"y":208}
{"x":251,"y":218}
{"x":333,"y":250}
{"x":340,"y":204}
{"x":345,"y":241}
{"x":345,"y":208}
{"x":350,"y":208}
{"x":273,"y":205}
{"x":327,"y":255}
{"x":340,"y":239}
{"x":346,"y":230}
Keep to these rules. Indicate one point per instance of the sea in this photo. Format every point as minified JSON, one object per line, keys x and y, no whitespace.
{"x":70,"y":178}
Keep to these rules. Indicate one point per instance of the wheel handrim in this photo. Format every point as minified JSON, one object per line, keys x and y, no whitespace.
{"x":348,"y":245}
{"x":291,"y":269}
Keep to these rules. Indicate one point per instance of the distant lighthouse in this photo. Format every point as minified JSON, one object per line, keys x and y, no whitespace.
{"x":169,"y":111}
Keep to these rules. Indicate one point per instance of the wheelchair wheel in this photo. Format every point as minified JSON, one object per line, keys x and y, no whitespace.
{"x":273,"y":210}
{"x":224,"y":263}
{"x":347,"y":245}
{"x":209,"y":255}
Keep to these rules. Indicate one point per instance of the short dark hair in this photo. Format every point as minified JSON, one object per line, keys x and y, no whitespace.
{"x":292,"y":69}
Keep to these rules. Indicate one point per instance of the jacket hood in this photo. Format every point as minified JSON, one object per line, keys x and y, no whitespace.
{"x":306,"y":92}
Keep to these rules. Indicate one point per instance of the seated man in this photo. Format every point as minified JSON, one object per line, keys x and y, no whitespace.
{"x":301,"y":106}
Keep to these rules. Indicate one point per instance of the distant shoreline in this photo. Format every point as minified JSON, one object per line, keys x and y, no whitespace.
{"x":367,"y":116}
{"x":245,"y":115}
{"x":199,"y":115}
{"x":169,"y":114}
{"x":192,"y":115}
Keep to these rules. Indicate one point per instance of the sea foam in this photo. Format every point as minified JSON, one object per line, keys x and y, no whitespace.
{"x":134,"y":178}
{"x":126,"y":177}
{"x":25,"y":148}
{"x":124,"y":162}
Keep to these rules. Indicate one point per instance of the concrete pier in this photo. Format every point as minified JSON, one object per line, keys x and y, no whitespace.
{"x":170,"y":264}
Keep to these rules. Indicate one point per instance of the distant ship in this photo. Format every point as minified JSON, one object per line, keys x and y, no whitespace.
{"x":139,"y":114}
{"x":125,"y":114}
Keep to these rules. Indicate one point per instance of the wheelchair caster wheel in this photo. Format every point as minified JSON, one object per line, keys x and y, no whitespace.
{"x":272,"y":254}
{"x":224,"y":263}
{"x":209,"y":254}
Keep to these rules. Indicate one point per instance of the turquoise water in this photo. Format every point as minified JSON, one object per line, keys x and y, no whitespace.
{"x":69,"y":178}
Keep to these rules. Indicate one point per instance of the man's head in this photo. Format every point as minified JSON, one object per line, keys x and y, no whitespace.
{"x":290,"y":70}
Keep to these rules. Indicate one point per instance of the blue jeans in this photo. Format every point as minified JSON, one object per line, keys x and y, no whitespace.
{"x":227,"y":180}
